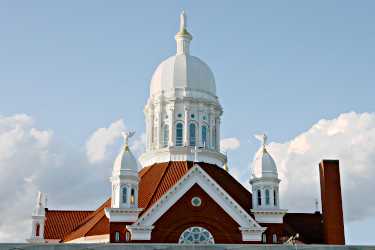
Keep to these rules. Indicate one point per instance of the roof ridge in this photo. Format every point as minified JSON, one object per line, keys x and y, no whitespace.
{"x":154,"y":192}
{"x":87,"y":219}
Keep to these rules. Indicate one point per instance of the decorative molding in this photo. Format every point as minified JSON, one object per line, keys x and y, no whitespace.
{"x":196,"y":175}
{"x":122,"y":214}
{"x":183,"y":153}
{"x":269,"y":215}
{"x":249,"y":234}
{"x":140,"y":232}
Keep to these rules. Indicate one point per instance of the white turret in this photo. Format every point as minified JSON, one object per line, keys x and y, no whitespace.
{"x":265,"y":186}
{"x":38,"y":219}
{"x":124,"y":199}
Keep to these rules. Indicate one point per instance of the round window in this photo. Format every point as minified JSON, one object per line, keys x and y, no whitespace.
{"x":192,"y":116}
{"x":196,"y":201}
{"x":179,"y":115}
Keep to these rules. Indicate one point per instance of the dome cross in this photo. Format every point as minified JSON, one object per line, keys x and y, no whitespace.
{"x":263,"y":139}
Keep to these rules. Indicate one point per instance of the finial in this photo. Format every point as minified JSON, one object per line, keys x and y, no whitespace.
{"x":126,"y":136}
{"x":263,"y":139}
{"x":182,"y":21}
{"x":183,"y":37}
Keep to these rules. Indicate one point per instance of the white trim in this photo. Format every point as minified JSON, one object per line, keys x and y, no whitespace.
{"x":122,"y":214}
{"x":196,"y":175}
{"x":182,"y":153}
{"x":140,"y":232}
{"x":269,"y":215}
{"x":102,"y":238}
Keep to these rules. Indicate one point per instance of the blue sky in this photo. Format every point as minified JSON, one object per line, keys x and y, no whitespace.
{"x":280,"y":66}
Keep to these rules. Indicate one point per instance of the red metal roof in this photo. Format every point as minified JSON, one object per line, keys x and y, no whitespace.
{"x":59,"y":222}
{"x":155,"y":181}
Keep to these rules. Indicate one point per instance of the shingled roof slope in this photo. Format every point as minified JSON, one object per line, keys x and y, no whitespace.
{"x":61,"y":222}
{"x":155,"y":181}
{"x":160,"y":177}
{"x":95,"y":224}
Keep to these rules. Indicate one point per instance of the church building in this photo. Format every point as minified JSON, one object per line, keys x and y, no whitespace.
{"x":184,"y":192}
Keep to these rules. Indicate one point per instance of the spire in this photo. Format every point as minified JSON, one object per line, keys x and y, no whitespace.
{"x":41,"y":204}
{"x":126,"y":136}
{"x":183,"y":37}
{"x":263,"y":139}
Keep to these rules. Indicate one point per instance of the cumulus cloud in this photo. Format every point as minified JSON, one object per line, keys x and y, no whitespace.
{"x":33,"y":159}
{"x":101,"y":139}
{"x":350,"y":138}
{"x":228,"y":144}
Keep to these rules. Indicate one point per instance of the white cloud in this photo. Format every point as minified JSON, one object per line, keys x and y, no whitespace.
{"x":101,"y":139}
{"x":228,"y":144}
{"x":349,"y":138}
{"x":33,"y":159}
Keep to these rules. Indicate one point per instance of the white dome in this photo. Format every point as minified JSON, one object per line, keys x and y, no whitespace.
{"x":125,"y":163}
{"x":184,"y":72}
{"x":264,"y":165}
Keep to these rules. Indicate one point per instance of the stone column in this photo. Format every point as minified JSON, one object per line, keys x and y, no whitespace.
{"x":186,"y":127}
{"x":171,"y":127}
{"x":159,"y":129}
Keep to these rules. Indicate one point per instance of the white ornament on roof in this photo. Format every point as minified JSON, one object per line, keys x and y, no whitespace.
{"x":126,"y":136}
{"x":182,"y":21}
{"x":262,"y":138}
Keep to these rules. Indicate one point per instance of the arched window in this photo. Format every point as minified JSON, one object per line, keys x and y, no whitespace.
{"x":196,"y":235}
{"x":132,"y":198}
{"x":204,"y":136}
{"x":274,"y":198}
{"x":117,"y":236}
{"x":179,"y":134}
{"x":165,"y":135}
{"x":274,"y":238}
{"x":127,"y":235}
{"x":267,"y":197}
{"x":259,"y":197}
{"x":264,"y":238}
{"x":124,"y":194}
{"x":37,"y":230}
{"x":192,"y":132}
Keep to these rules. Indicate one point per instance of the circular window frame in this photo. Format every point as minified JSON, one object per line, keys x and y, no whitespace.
{"x":196,"y":201}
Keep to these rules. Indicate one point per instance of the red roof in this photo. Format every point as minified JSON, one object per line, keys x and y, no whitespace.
{"x":155,"y":181}
{"x":59,"y":222}
{"x":95,"y":224}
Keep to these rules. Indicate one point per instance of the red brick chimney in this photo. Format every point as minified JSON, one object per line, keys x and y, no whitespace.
{"x":330,"y":187}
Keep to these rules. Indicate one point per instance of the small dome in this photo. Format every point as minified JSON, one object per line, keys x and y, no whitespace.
{"x":125,"y":163}
{"x":264,"y":165}
{"x":185,"y":72}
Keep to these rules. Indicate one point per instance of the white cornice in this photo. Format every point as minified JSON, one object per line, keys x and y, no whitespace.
{"x":269,"y":215}
{"x":122,"y":214}
{"x":181,"y":154}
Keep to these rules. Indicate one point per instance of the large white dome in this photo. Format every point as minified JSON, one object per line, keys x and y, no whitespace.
{"x":184,"y":72}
